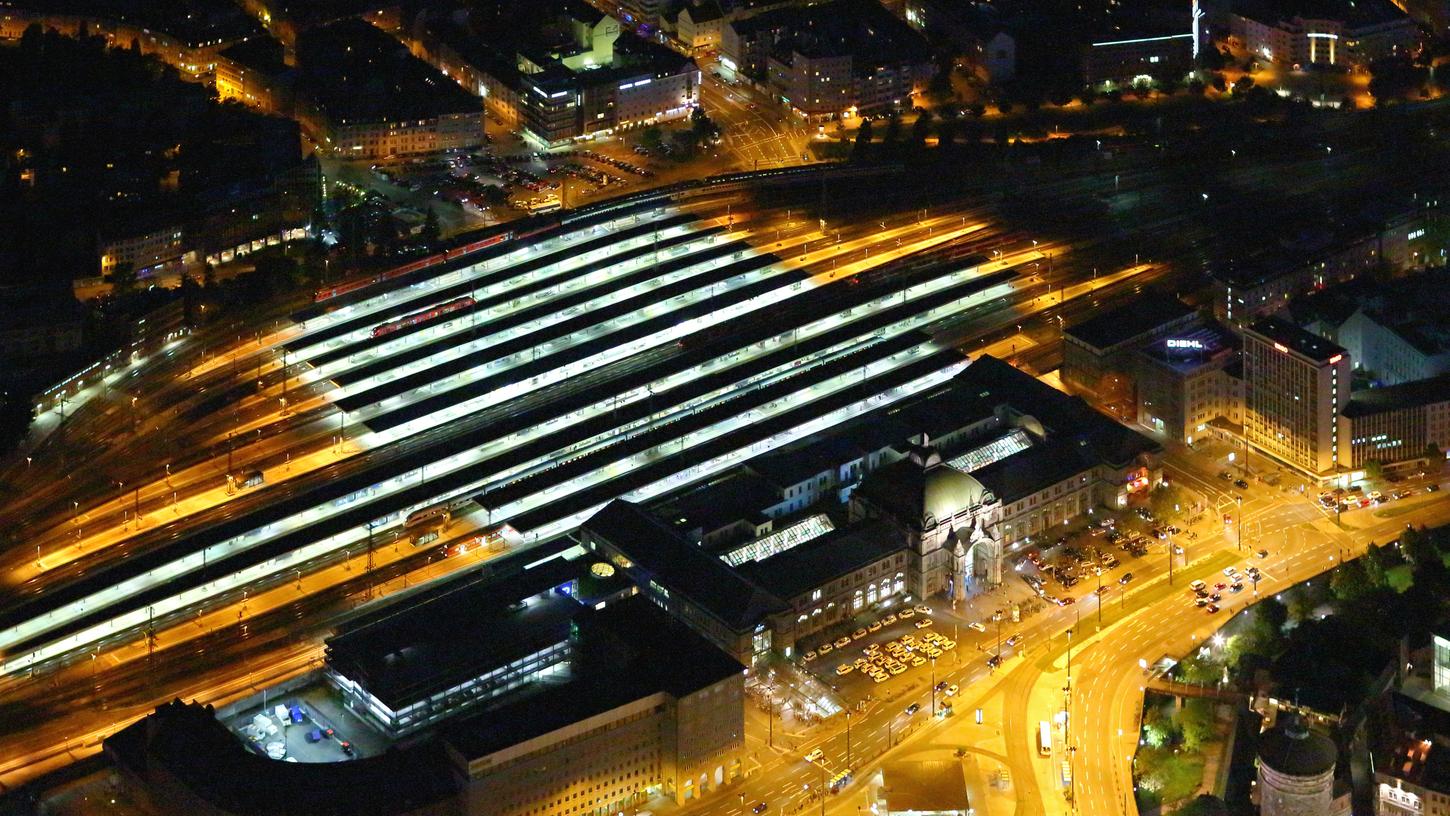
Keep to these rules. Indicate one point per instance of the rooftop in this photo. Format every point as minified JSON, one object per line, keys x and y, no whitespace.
{"x":1398,"y":397}
{"x":862,"y":29}
{"x":989,"y":385}
{"x":1414,"y":745}
{"x":1288,"y":337}
{"x":925,"y":786}
{"x":741,"y":497}
{"x":680,"y":566}
{"x":197,"y":23}
{"x":406,"y":652}
{"x":1291,"y":748}
{"x":919,"y":488}
{"x":185,"y":744}
{"x":1146,"y":313}
{"x":630,"y":650}
{"x":357,"y":73}
{"x":1354,"y":13}
{"x":1191,"y":349}
{"x":822,"y":560}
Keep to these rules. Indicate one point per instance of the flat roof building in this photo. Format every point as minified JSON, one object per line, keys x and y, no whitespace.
{"x":1098,"y":354}
{"x":1189,"y":379}
{"x":1295,"y":385}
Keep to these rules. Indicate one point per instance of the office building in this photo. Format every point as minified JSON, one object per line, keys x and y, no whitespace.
{"x":651,"y":709}
{"x":1397,"y":423}
{"x":1188,"y":380}
{"x":1115,"y":59}
{"x":1295,"y":386}
{"x":1388,"y":236}
{"x":1302,"y":33}
{"x":1099,"y":355}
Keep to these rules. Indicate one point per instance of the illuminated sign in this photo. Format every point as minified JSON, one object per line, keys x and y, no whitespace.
{"x":1336,"y":358}
{"x":1281,"y":347}
{"x":1196,"y":345}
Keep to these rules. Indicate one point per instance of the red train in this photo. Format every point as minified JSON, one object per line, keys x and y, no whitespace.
{"x":454,"y":254}
{"x":421,"y":317}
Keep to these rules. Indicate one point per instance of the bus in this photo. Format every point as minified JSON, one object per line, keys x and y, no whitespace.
{"x":840,"y":780}
{"x":250,"y":478}
{"x":1044,"y":739}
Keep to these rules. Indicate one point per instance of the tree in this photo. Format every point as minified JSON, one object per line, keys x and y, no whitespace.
{"x":704,"y":128}
{"x":1433,"y":452}
{"x":939,"y":89}
{"x":1004,"y":107}
{"x":893,"y":131}
{"x":921,"y":129}
{"x":1350,"y":581}
{"x":1196,"y":87}
{"x":1375,"y":566}
{"x":123,"y":278}
{"x":1270,"y":615}
{"x":1395,"y":78}
{"x":1243,"y":85}
{"x":1418,"y":548}
{"x":1195,"y":720}
{"x":1374,"y":469}
{"x":652,"y":137}
{"x":1204,"y":804}
{"x":1167,"y":501}
{"x":862,"y":147}
{"x":431,"y":231}
{"x":1219,"y":83}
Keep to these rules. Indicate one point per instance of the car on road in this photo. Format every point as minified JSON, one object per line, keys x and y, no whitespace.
{"x":977,"y":625}
{"x":1237,"y":587}
{"x":1127,"y":576}
{"x":889,"y":619}
{"x":951,"y":690}
{"x":923,"y":623}
{"x":809,"y":656}
{"x":1015,"y":639}
{"x":913,"y":708}
{"x":1220,"y":586}
{"x":1241,"y":484}
{"x":1230,"y":571}
{"x":875,"y":626}
{"x":824,"y":648}
{"x":919,"y":660}
{"x":1225,"y":475}
{"x":923,"y":609}
{"x":842,"y":642}
{"x":994,"y":661}
{"x":1068,"y":600}
{"x":760,"y":807}
{"x":1200,"y":601}
{"x":906,"y":613}
{"x":1211,"y":608}
{"x":858,"y":634}
{"x":1215,"y":598}
{"x":843,"y":669}
{"x":816,"y":755}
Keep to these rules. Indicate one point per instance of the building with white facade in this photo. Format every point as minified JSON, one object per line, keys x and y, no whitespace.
{"x":1295,"y":386}
{"x":1319,"y":32}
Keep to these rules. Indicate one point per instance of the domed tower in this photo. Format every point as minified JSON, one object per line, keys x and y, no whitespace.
{"x":1296,"y":770}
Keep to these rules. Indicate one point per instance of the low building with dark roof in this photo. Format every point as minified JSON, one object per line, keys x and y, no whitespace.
{"x":832,"y":578}
{"x":1399,"y":423}
{"x":959,"y":527}
{"x":409,"y":666}
{"x":1098,"y":354}
{"x":724,"y":512}
{"x":714,"y":598}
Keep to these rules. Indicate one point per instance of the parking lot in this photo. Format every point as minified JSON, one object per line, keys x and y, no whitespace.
{"x":306,"y":726}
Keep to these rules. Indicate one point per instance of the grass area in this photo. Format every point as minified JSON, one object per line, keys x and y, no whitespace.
{"x":1400,"y":577}
{"x":1402,"y":508}
{"x":1172,"y":775}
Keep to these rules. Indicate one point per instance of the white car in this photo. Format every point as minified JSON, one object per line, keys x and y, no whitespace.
{"x":815,"y":755}
{"x":951,"y":690}
{"x":977,"y":625}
